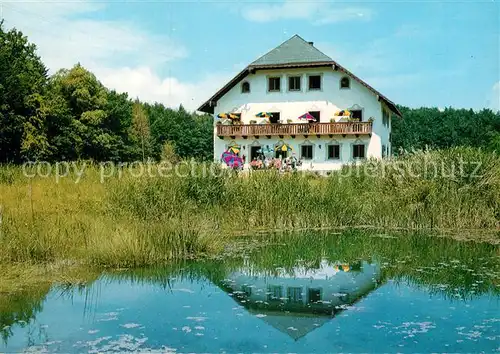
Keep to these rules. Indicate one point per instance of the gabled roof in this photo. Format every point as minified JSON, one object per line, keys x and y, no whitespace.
{"x":293,"y":53}
{"x":294,"y":50}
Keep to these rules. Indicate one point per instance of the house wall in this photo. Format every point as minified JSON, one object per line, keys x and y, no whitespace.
{"x":291,"y":104}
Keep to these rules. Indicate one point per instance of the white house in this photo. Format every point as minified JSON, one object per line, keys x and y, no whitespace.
{"x":293,"y":79}
{"x":297,"y":302}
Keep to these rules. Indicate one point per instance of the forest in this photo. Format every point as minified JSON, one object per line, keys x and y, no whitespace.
{"x":71,"y":116}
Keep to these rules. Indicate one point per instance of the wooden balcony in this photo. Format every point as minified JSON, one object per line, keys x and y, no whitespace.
{"x":293,"y":129}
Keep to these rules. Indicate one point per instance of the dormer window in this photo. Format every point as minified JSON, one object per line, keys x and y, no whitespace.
{"x":245,"y":87}
{"x":345,"y":83}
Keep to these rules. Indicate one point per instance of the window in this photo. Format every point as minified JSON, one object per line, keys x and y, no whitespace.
{"x":358,"y":151}
{"x":306,"y":152}
{"x":384,"y":151}
{"x":313,"y":295}
{"x":274,"y":84}
{"x":345,"y":83}
{"x":315,"y":82}
{"x":254,"y":152}
{"x":275,"y":117}
{"x":294,"y":294}
{"x":294,"y":83}
{"x":385,"y":118}
{"x":333,"y":152}
{"x":245,"y":87}
{"x":357,"y":114}
{"x":316,"y":115}
{"x":274,"y":292}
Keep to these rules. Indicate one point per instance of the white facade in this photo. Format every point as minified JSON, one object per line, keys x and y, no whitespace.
{"x":329,"y":99}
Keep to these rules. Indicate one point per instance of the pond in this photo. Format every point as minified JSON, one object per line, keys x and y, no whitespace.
{"x":306,"y":292}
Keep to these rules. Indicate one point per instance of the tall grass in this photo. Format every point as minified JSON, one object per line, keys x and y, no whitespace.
{"x":133,"y":221}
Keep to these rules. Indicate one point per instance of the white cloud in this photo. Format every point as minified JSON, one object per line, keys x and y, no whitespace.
{"x":142,"y":82}
{"x":493,"y":101}
{"x":65,"y":35}
{"x":124,"y":56}
{"x":318,"y":13}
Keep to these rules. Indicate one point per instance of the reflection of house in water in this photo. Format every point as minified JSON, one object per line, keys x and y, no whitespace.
{"x":301,"y":300}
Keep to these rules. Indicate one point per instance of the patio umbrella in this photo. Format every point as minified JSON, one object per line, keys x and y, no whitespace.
{"x":232,"y":160}
{"x":307,"y":116}
{"x":284,"y":148}
{"x":228,"y":115}
{"x":343,"y":113}
{"x":264,"y":115}
{"x":267,"y":151}
{"x":235,"y":149}
{"x":264,"y":150}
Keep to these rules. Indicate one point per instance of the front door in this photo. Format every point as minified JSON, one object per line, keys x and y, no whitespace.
{"x":254,"y":152}
{"x":282,"y":154}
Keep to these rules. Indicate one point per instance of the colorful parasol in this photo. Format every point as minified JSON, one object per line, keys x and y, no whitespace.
{"x":307,"y":116}
{"x":267,"y":151}
{"x":264,"y":115}
{"x":235,"y":149}
{"x":232,"y":160}
{"x":283,"y":147}
{"x":343,"y":113}
{"x":342,"y":267}
{"x":228,"y":116}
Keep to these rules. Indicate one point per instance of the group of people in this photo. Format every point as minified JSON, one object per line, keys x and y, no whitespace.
{"x":286,"y":164}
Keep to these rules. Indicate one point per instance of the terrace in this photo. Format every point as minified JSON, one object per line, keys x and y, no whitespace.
{"x":293,"y":129}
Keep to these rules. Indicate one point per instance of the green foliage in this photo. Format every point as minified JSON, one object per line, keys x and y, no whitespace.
{"x":191,"y":133}
{"x":423,"y":128}
{"x":22,"y":80}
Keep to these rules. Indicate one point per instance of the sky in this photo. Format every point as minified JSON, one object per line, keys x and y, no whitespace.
{"x":417,"y":53}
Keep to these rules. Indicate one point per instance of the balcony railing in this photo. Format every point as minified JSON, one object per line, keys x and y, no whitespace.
{"x":344,"y":128}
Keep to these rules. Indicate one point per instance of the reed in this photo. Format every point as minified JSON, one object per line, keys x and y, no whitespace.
{"x":134,"y":221}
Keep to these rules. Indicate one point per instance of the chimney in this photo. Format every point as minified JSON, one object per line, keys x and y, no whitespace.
{"x":311,"y":43}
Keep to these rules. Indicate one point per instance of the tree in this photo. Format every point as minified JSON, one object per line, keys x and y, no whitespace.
{"x":430,"y":127}
{"x":168,"y":153}
{"x":140,"y":128}
{"x":34,"y":143}
{"x":22,"y":82}
{"x":85,"y":100}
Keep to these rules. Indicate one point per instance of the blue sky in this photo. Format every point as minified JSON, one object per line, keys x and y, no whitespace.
{"x":433,"y":53}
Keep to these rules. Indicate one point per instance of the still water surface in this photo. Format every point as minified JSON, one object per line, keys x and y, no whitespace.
{"x":293,"y":295}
